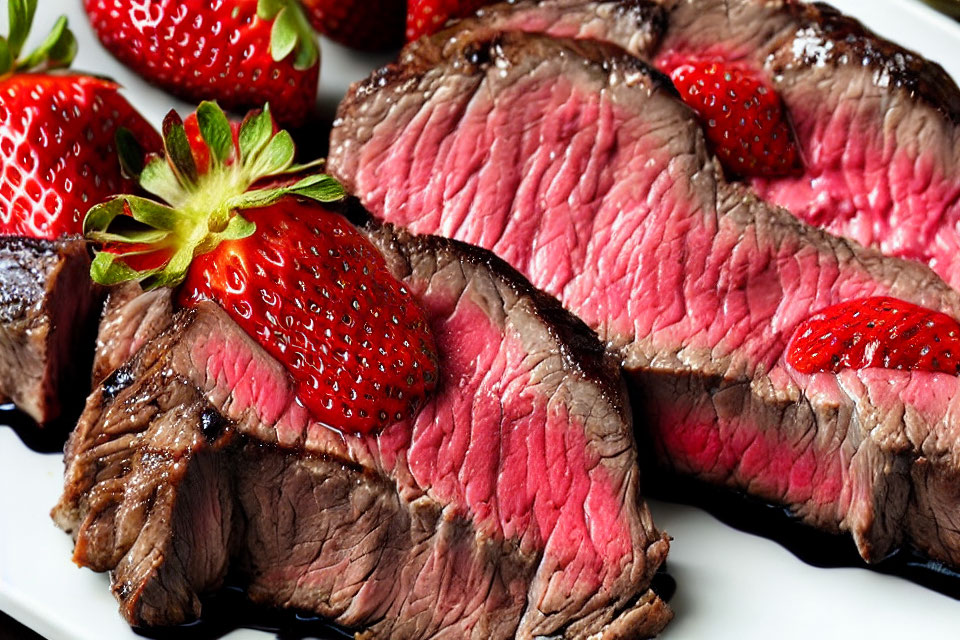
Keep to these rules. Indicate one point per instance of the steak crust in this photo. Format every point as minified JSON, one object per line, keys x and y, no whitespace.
{"x":509,"y":507}
{"x":48,"y":311}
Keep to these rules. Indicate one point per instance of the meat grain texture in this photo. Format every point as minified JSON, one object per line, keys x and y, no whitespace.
{"x":48,"y":312}
{"x":578,"y":164}
{"x":878,"y":125}
{"x":509,"y":507}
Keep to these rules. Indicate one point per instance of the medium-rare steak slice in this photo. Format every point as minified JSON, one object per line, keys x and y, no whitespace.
{"x":579,"y":165}
{"x":48,"y":309}
{"x":878,"y":125}
{"x":130,"y":319}
{"x":509,"y":507}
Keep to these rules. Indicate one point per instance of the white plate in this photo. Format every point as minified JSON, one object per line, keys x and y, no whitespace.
{"x":729,"y":584}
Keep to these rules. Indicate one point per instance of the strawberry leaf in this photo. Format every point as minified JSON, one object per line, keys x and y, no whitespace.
{"x":20,"y":13}
{"x":267,"y":9}
{"x":255,"y":131}
{"x":216,"y":131}
{"x":321,"y":187}
{"x":159,"y":179}
{"x":57,"y":50}
{"x":295,"y":168}
{"x":107,"y":269}
{"x":151,"y":213}
{"x":64,"y":50}
{"x":175,"y":270}
{"x":5,"y":60}
{"x":130,"y":153}
{"x":238,"y":228}
{"x":275,"y":158}
{"x":133,"y":236}
{"x":291,"y":30}
{"x":201,"y":209}
{"x":143,"y":210}
{"x":283,"y":35}
{"x":177,"y":146}
{"x":256,"y":198}
{"x":99,"y":217}
{"x":306,"y":58}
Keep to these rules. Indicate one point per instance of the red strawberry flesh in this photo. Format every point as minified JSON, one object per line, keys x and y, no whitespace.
{"x":318,"y":297}
{"x":210,"y":49}
{"x":743,"y":116}
{"x":243,"y":227}
{"x":57,"y":150}
{"x":876,"y":332}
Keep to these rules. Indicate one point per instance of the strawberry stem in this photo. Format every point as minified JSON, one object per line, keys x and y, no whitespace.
{"x":199,"y":209}
{"x":57,"y":50}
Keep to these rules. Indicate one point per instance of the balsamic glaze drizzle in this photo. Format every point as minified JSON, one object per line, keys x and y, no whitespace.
{"x":229,"y":610}
{"x":49,"y":439}
{"x":812,"y":546}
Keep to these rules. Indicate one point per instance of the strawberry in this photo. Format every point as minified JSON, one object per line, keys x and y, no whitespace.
{"x":876,"y":332}
{"x":374,"y":25}
{"x":297,"y":276}
{"x":57,"y":133}
{"x":744,"y":118}
{"x":241,"y":53}
{"x":427,"y":16}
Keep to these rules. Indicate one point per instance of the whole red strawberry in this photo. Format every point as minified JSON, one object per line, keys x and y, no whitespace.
{"x":743,"y":117}
{"x":57,"y":134}
{"x":427,"y":16}
{"x":297,"y":276}
{"x":876,"y":332}
{"x":241,"y":53}
{"x":371,"y":25}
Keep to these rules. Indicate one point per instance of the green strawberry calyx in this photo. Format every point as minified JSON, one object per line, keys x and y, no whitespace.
{"x":56,"y":51}
{"x":199,"y":209}
{"x":291,"y":32}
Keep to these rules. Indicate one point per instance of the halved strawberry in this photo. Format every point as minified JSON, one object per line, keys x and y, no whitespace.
{"x":743,"y":116}
{"x":57,"y":132}
{"x":876,"y":332}
{"x":242,"y":53}
{"x":294,"y":274}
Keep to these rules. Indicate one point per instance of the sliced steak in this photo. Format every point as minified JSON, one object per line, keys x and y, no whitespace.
{"x":878,"y":125}
{"x":130,"y":319}
{"x":636,"y":25}
{"x":509,"y":507}
{"x":48,"y":310}
{"x":578,"y":164}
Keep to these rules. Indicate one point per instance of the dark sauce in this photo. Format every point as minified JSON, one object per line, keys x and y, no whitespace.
{"x":229,"y":610}
{"x":663,"y":584}
{"x":48,"y":439}
{"x":812,"y":546}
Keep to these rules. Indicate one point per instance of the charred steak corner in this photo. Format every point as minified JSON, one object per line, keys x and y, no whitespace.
{"x":48,"y":310}
{"x":509,"y":507}
{"x":578,"y":165}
